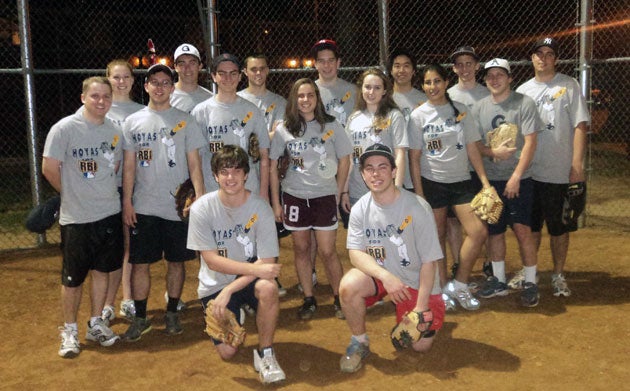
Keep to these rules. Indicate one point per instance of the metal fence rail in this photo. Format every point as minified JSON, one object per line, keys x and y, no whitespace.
{"x":75,"y":38}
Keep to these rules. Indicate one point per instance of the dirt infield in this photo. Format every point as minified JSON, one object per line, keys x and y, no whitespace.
{"x":575,"y":343}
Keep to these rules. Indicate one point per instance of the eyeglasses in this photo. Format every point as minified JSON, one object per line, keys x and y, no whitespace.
{"x":163,"y":83}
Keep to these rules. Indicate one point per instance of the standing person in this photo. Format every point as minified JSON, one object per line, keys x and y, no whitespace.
{"x":442,"y":139}
{"x":238,"y":269}
{"x":393,"y":246}
{"x":466,"y":91}
{"x":161,"y":150}
{"x":226,"y":119}
{"x":319,"y":159}
{"x":377,"y":120}
{"x":559,"y":159}
{"x":508,"y":170}
{"x":188,"y":93}
{"x":120,"y":75}
{"x":81,"y":156}
{"x":338,"y":95}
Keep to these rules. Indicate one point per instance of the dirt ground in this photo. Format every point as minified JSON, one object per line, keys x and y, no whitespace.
{"x":576,"y":343}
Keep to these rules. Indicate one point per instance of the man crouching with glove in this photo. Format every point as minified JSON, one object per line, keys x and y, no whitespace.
{"x":393,"y":246}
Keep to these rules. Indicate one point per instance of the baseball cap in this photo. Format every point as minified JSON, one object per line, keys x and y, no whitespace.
{"x":380,"y":150}
{"x":547,"y":41}
{"x":187,"y":48}
{"x":464,"y":50}
{"x":498,"y":63}
{"x":324,"y":44}
{"x":224,"y":57}
{"x":155,"y":68}
{"x":44,"y":215}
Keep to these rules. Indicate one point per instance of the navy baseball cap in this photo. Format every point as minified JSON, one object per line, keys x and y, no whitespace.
{"x":324,"y":44}
{"x":547,"y":41}
{"x":44,"y":215}
{"x":378,"y":150}
{"x":156,"y":68}
{"x":224,"y":57}
{"x":469,"y":50}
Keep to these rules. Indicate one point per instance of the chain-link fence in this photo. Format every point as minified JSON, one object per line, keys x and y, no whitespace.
{"x":76,"y":38}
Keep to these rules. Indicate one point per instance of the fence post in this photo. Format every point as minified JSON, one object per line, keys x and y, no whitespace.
{"x":586,"y":54}
{"x":383,"y":37}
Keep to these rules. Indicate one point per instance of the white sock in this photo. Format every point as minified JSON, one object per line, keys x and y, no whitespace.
{"x":530,"y":274}
{"x":71,"y":326}
{"x":363,"y":338}
{"x":460,"y":285}
{"x":498,"y":269}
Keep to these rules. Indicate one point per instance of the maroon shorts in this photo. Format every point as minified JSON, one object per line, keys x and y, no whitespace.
{"x":436,"y":304}
{"x":300,"y":214}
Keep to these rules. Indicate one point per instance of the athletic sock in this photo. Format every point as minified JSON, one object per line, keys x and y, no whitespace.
{"x":171,"y":306}
{"x":72,"y":326}
{"x":363,"y":338}
{"x":530,"y":273}
{"x":498,"y":270}
{"x":460,"y":285}
{"x":141,"y":308}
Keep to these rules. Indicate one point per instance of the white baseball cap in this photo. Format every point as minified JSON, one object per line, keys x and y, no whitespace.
{"x":187,"y":48}
{"x":498,"y":63}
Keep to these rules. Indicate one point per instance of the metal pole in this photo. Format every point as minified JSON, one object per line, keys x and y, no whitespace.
{"x":212,"y":29}
{"x":24,"y":26}
{"x":586,"y":54}
{"x":383,"y":37}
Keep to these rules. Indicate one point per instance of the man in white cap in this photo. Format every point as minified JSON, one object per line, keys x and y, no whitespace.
{"x":188,"y":93}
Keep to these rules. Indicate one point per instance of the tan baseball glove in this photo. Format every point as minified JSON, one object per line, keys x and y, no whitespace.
{"x":226,"y":330}
{"x":487,"y":205}
{"x":503,"y":132}
{"x":184,"y":197}
{"x":254,"y":147}
{"x":412,"y":327}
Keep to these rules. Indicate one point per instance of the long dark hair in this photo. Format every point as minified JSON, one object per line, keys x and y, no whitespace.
{"x":293,"y":120}
{"x":437,"y":68}
{"x":386,"y":104}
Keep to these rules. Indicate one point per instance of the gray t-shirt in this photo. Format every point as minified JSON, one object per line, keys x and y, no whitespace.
{"x":338,"y":99}
{"x":229,"y":124}
{"x":468,"y":97}
{"x":400,"y":237}
{"x":161,"y":141}
{"x":442,"y":139}
{"x":89,"y":154}
{"x":271,"y":105}
{"x":186,"y":101}
{"x":517,"y":109}
{"x":362,"y":133}
{"x":561,"y":107}
{"x":239,"y":234}
{"x":407,"y":102}
{"x":313,"y":158}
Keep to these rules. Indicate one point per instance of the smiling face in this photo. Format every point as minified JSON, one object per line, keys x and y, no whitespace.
{"x":231,"y":180}
{"x":159,"y":86}
{"x":498,"y":82}
{"x":227,"y":77}
{"x":257,"y":71}
{"x":544,"y":60}
{"x":373,"y":91}
{"x":188,"y":67}
{"x":465,"y":67}
{"x":306,"y":101}
{"x":327,"y":65}
{"x":434,"y":87}
{"x":97,"y":99}
{"x":378,"y":174}
{"x":402,"y":70}
{"x":122,"y":80}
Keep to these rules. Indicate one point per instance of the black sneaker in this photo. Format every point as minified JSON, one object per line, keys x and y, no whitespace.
{"x":530,"y":295}
{"x":308,"y":308}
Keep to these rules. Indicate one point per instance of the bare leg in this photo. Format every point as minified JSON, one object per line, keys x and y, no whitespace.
{"x":355,"y":286}
{"x":266,"y":292}
{"x":559,"y":250}
{"x":526,"y":244}
{"x":440,"y":221}
{"x":301,"y":253}
{"x":70,"y":301}
{"x":476,"y":235}
{"x":140,"y":281}
{"x":175,"y":276}
{"x":327,"y":247}
{"x":98,"y":291}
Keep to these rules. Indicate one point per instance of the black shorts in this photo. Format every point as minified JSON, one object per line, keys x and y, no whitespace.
{"x":515,"y":210}
{"x":91,"y":246}
{"x":440,"y":195}
{"x":315,"y":213}
{"x":547,"y":208}
{"x":237,"y":300}
{"x":154,"y":238}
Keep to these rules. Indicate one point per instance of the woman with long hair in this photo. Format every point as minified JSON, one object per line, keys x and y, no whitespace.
{"x":442,"y":140}
{"x":318,"y":150}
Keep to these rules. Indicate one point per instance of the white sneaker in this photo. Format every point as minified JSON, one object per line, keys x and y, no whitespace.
{"x":127,"y":309}
{"x":108,"y":314}
{"x":180,"y":306}
{"x":101,"y":333}
{"x":267,"y":367}
{"x":517,"y":282}
{"x":463,"y":296}
{"x":560,"y":287}
{"x":449,"y":304}
{"x":70,"y":346}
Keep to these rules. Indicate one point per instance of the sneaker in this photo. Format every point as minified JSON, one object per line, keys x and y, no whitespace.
{"x":449,"y":304}
{"x":516,"y":283}
{"x":560,"y":287}
{"x":314,"y":277}
{"x":493,"y":287}
{"x":282,"y":291}
{"x":462,"y":296}
{"x":267,"y":367}
{"x":108,"y":314}
{"x":173,"y":327}
{"x":248,"y":310}
{"x":487,"y":269}
{"x":99,"y":332}
{"x":70,"y":346}
{"x":529,"y":296}
{"x":137,"y":328}
{"x":180,"y":305}
{"x":308,"y":308}
{"x":127,"y":309}
{"x":338,"y":311}
{"x":356,"y":352}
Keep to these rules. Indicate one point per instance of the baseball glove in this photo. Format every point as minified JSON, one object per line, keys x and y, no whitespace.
{"x":184,"y":197}
{"x":487,"y":205}
{"x":226,"y":330}
{"x":574,"y":203}
{"x":254,"y":147}
{"x":498,"y":135}
{"x":283,"y":164}
{"x":412,"y":327}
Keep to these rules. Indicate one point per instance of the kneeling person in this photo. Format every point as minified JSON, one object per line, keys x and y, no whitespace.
{"x":234,"y":230}
{"x":393,"y":246}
